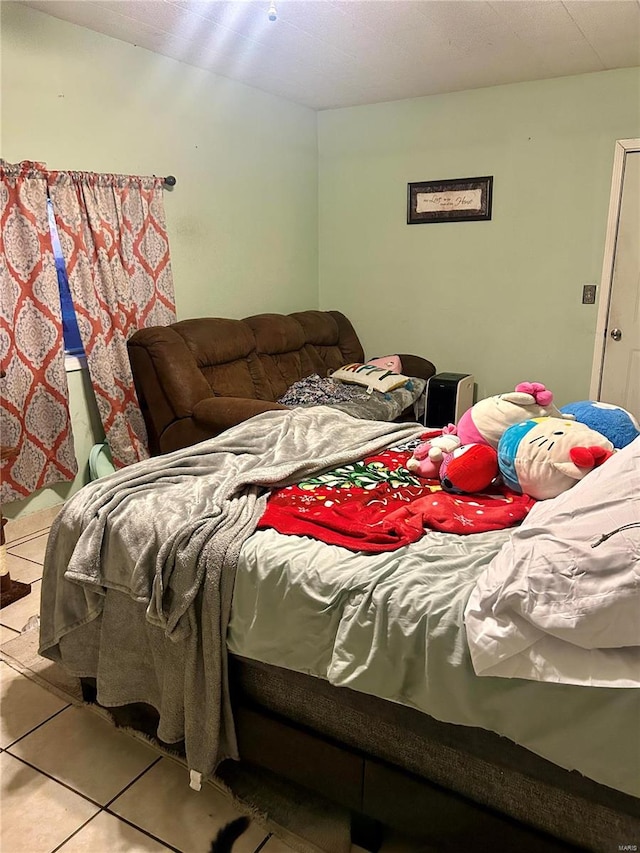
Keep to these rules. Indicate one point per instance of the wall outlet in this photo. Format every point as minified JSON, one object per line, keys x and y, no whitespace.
{"x":589,"y":294}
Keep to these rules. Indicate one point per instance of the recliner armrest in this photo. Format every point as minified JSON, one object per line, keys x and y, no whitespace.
{"x":415,"y":365}
{"x":220,"y":413}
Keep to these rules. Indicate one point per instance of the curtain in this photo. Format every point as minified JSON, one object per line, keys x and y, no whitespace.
{"x":114,"y":242}
{"x":34,"y":415}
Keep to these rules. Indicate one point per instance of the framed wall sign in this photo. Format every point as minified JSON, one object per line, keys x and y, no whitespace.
{"x":453,"y":200}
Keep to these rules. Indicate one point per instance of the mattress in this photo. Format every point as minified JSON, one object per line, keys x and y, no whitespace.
{"x":391,"y":625}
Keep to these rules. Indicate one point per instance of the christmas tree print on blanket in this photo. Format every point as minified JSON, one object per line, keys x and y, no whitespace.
{"x":362,"y":475}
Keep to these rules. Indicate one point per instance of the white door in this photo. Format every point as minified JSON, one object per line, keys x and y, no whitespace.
{"x":616,"y":366}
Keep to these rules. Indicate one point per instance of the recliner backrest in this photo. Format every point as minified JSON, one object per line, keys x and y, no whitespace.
{"x":177,"y":366}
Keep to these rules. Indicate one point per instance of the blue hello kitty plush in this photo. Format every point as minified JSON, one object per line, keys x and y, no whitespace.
{"x":544,"y":457}
{"x":614,"y":422}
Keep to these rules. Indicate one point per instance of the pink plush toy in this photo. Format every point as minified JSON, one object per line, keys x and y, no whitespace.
{"x":428,"y":456}
{"x":488,"y":420}
{"x":469,"y":469}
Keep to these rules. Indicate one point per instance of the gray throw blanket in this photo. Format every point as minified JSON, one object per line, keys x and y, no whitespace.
{"x":140,"y":566}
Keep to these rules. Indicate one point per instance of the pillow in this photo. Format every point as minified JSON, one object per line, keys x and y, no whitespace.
{"x":372,"y":377}
{"x":387,"y":362}
{"x":560,"y":601}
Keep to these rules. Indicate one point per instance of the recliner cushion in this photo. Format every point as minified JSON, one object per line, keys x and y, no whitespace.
{"x":320,"y":328}
{"x":331,"y":339}
{"x":280,"y":345}
{"x":225,"y":352}
{"x":276,"y":333}
{"x":215,"y":340}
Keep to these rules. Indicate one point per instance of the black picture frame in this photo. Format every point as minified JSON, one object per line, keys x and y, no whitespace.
{"x":451,"y":200}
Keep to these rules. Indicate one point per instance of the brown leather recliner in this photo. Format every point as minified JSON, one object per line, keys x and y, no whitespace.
{"x":196,"y":378}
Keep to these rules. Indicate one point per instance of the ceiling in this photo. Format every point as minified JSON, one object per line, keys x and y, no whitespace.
{"x":340,"y":53}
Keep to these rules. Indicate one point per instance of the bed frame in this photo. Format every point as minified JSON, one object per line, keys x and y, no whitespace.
{"x":458,"y":788}
{"x":453,"y":787}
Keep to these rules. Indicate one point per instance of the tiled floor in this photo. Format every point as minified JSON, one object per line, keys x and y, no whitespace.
{"x":71,"y":782}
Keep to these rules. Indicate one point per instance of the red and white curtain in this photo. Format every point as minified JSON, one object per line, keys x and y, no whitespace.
{"x":114,"y":242}
{"x":34,"y":412}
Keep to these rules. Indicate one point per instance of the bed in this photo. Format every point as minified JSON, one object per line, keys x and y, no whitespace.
{"x":350,"y":673}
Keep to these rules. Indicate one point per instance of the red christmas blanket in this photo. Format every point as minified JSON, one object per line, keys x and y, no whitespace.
{"x":377,"y":505}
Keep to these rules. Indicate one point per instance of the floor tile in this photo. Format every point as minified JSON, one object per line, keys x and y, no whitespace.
{"x":71,"y":747}
{"x":7,"y":634}
{"x":22,"y":651}
{"x":17,"y":615}
{"x":25,"y":526}
{"x":31,"y":549}
{"x":23,"y":570}
{"x":163,"y":803}
{"x":107,"y":833}
{"x":37,"y":813}
{"x":23,"y":704}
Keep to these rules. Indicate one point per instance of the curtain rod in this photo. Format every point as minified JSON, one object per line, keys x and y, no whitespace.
{"x":170,"y":181}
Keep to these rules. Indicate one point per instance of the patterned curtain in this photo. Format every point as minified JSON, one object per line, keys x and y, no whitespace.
{"x":34,"y":417}
{"x":114,"y":242}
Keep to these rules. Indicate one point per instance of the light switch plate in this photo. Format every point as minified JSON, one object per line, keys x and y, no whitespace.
{"x":589,"y":294}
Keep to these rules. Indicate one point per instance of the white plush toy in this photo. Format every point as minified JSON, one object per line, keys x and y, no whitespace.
{"x":544,"y":457}
{"x":486,"y":422}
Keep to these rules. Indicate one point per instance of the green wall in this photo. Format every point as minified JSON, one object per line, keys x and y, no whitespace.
{"x":498,"y":299}
{"x":242,"y":219}
{"x":279,"y":209}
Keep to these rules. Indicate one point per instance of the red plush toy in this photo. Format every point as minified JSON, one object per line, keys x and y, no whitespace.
{"x":469,"y":469}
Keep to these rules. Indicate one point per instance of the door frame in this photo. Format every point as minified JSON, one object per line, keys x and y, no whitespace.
{"x":623,"y":147}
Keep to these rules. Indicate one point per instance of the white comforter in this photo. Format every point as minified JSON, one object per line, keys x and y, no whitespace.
{"x":561,"y":601}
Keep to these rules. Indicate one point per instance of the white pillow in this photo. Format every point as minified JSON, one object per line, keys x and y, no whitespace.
{"x":557,"y":604}
{"x":375,"y":378}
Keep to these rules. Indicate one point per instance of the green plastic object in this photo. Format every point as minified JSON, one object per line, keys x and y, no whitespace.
{"x":100,"y":461}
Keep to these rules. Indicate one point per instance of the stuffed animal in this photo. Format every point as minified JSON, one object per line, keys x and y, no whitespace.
{"x":469,"y":469}
{"x":544,"y":457}
{"x":387,"y":362}
{"x":614,"y":422}
{"x":428,"y":456}
{"x":485,"y":422}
